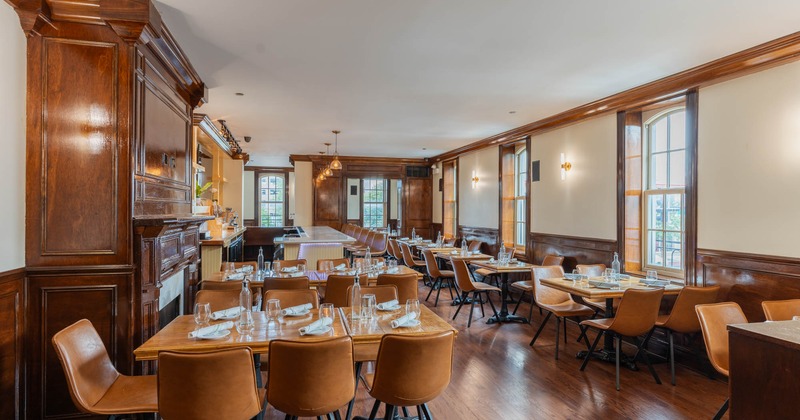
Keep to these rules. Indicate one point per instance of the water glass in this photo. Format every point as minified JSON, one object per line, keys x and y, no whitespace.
{"x":412,"y":306}
{"x":367,"y":306}
{"x":326,"y":266}
{"x":301,"y":268}
{"x":245,"y":325}
{"x":267,"y":267}
{"x":257,"y":302}
{"x":273,"y":309}
{"x":392,"y":264}
{"x":202,"y":312}
{"x":326,"y":311}
{"x":609,"y":274}
{"x":230,"y":268}
{"x":652,"y":275}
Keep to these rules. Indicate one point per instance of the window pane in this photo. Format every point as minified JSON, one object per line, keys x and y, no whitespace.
{"x":656,"y":210}
{"x":677,"y":169}
{"x":655,"y":242}
{"x":658,"y":171}
{"x":674,"y":247}
{"x":674,"y":213}
{"x":520,"y":213}
{"x":677,"y":130}
{"x":658,"y":136}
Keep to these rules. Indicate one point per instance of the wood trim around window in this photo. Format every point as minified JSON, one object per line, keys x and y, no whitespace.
{"x":261,"y":170}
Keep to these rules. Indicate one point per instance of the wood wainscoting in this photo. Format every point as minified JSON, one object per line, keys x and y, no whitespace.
{"x":749,"y":279}
{"x":574,"y":249}
{"x":489,"y":236}
{"x":12,"y":357}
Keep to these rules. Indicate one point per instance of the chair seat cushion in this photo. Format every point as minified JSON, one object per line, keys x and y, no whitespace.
{"x":661,"y":320}
{"x":600,"y":324}
{"x":485,"y":272}
{"x":130,"y":394}
{"x":568,"y":308}
{"x":485,"y":287}
{"x":526,"y":285}
{"x":447,"y":273}
{"x":599,"y":303}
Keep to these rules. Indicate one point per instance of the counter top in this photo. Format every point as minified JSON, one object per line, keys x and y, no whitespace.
{"x":784,"y":333}
{"x":224,"y":238}
{"x":169,"y":219}
{"x":317,"y":234}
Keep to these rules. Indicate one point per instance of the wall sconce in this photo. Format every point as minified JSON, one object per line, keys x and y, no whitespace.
{"x":565,"y":166}
{"x":474,"y":180}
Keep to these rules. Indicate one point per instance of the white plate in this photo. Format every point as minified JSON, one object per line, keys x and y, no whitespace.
{"x":394,"y":308}
{"x":320,"y":332}
{"x":300,"y":314}
{"x":414,"y":323}
{"x":216,"y":335}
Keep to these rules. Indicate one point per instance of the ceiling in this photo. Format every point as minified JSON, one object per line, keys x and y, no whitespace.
{"x":416,"y":78}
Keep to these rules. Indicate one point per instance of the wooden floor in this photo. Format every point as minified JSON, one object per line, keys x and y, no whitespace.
{"x":496,"y":375}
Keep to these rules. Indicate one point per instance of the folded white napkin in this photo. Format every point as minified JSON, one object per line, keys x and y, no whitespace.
{"x":226,"y":313}
{"x":340,"y":267}
{"x":404,"y":238}
{"x":403,"y":320}
{"x":393,"y":270}
{"x":289,"y":270}
{"x":236,"y":276}
{"x":316,"y":326}
{"x":388,"y":305}
{"x":296,"y":310}
{"x":211,"y":329}
{"x":245,"y":269}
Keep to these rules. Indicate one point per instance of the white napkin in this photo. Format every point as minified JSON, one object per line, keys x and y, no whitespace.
{"x":289,"y":270}
{"x":317,"y":325}
{"x":245,"y":269}
{"x":393,"y":270}
{"x":296,"y":310}
{"x":211,"y":329}
{"x":404,"y":238}
{"x":403,"y":320}
{"x":236,"y":276}
{"x":226,"y":313}
{"x":388,"y":305}
{"x":340,"y":267}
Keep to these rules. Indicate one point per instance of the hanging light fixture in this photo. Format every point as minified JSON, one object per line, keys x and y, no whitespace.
{"x":327,"y":171}
{"x":336,"y":164}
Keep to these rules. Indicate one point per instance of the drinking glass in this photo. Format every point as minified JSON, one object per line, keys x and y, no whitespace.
{"x":301,"y":268}
{"x":652,"y":275}
{"x":326,"y":310}
{"x":273,"y":308}
{"x":575,"y":276}
{"x":367,"y":306}
{"x":608,"y":274}
{"x":326,"y":266}
{"x":267,"y":270}
{"x":245,"y":325}
{"x":412,"y":306}
{"x":202,"y":312}
{"x":392,"y":264}
{"x":230,"y":268}
{"x":257,"y":302}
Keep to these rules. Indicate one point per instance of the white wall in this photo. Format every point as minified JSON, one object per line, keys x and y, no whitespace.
{"x":249,"y":185}
{"x":290,"y":186}
{"x":353,"y":201}
{"x":394,"y":198}
{"x":12,"y":142}
{"x":437,"y":195}
{"x":479,"y":206}
{"x":749,"y":164}
{"x":584,"y":204}
{"x":233,"y":185}
{"x":303,"y":194}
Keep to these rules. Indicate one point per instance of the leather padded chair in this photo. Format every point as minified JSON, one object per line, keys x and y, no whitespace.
{"x":438,"y":277}
{"x":527,"y":286}
{"x":555,"y":302}
{"x":363,"y":243}
{"x":409,"y":260}
{"x":291,"y":298}
{"x":477,"y":289}
{"x":475,"y":246}
{"x":337,"y":286}
{"x":96,"y":387}
{"x":636,"y":316}
{"x":377,"y":247}
{"x":335,"y":261}
{"x":382,"y":293}
{"x":394,"y":250}
{"x":219,"y":384}
{"x":781,"y":310}
{"x":595,"y":270}
{"x":410,"y":371}
{"x":683,"y":318}
{"x":309,"y":379}
{"x":714,"y":320}
{"x":218,"y":299}
{"x":406,"y":285}
{"x":281,"y":264}
{"x":238,"y":265}
{"x":285,"y":283}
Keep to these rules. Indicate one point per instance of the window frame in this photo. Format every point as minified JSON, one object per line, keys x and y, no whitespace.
{"x":520,"y":180}
{"x":383,"y":182}
{"x":259,"y":175}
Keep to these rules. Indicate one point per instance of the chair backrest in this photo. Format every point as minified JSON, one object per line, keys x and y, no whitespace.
{"x":431,"y":264}
{"x":544,"y":294}
{"x":368,"y":238}
{"x":379,"y":244}
{"x":234,"y":285}
{"x":683,"y":318}
{"x":86,"y":364}
{"x":253,"y":264}
{"x":463,"y":275}
{"x":475,"y":245}
{"x":291,"y":298}
{"x":219,"y":384}
{"x":348,"y":229}
{"x":382,"y":294}
{"x":781,"y":310}
{"x":394,"y":249}
{"x":286,"y":283}
{"x":408,"y":257}
{"x":218,"y":299}
{"x":448,"y":240}
{"x":336,"y":289}
{"x":591,"y":270}
{"x":413,"y":370}
{"x":309,"y":379}
{"x":281,"y":264}
{"x":335,"y":261}
{"x":714,"y":321}
{"x":637,"y":312}
{"x":552,"y":260}
{"x":406,"y":285}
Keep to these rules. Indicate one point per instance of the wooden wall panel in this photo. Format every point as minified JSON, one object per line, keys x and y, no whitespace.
{"x":749,"y":279}
{"x":328,"y":198}
{"x":417,"y":206}
{"x":12,"y":324}
{"x":490,"y":238}
{"x":575,"y":250}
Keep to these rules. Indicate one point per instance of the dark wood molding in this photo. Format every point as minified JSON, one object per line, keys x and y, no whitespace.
{"x":621,"y":133}
{"x":275,"y":169}
{"x":574,"y":249}
{"x":692,"y":118}
{"x":760,"y":57}
{"x":318,"y":159}
{"x":489,"y":236}
{"x":204,"y":123}
{"x":12,"y":356}
{"x":258,"y":171}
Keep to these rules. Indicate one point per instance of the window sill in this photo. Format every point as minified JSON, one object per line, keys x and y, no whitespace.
{"x":643,"y":274}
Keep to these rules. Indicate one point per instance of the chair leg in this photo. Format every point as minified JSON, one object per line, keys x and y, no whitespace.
{"x":337,"y":416}
{"x":647,"y":361}
{"x":438,"y":291}
{"x":405,"y":412}
{"x":671,"y":356}
{"x":374,"y":411}
{"x":722,"y":410}
{"x":491,"y":305}
{"x":433,"y":286}
{"x":483,"y":314}
{"x":420,"y":415}
{"x":617,"y":343}
{"x":460,"y":304}
{"x":450,"y":288}
{"x":427,"y":412}
{"x":558,"y":328}
{"x":518,"y":302}
{"x":541,"y":327}
{"x":591,"y":350}
{"x":565,"y":330}
{"x":471,"y":308}
{"x":389,"y":412}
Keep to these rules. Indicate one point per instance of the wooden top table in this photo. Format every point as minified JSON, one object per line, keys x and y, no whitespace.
{"x":458,"y":256}
{"x":174,"y":337}
{"x":504,"y":270}
{"x":589,"y":291}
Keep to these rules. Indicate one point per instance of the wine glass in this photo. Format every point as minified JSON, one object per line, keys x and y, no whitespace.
{"x":412,"y":307}
{"x":202,"y":312}
{"x":230,"y":269}
{"x":301,"y":268}
{"x":326,"y":311}
{"x":652,"y":275}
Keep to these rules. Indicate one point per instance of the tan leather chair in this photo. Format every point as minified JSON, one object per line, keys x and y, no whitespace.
{"x":230,"y":285}
{"x":636,"y":316}
{"x":308,"y":379}
{"x":291,"y":298}
{"x":683,"y":318}
{"x":218,"y":299}
{"x":406,"y":285}
{"x":527,"y":286}
{"x":714,"y":320}
{"x":286,"y":283}
{"x":253,"y":264}
{"x":279,"y":265}
{"x":477,"y":289}
{"x":409,"y":260}
{"x":781,"y":310}
{"x":438,"y":277}
{"x":410,"y":371}
{"x":374,"y":260}
{"x":595,"y":270}
{"x":337,"y":286}
{"x":96,"y":387}
{"x":382,"y":293}
{"x":363,"y":242}
{"x":334,"y":261}
{"x":219,"y":384}
{"x":394,"y":250}
{"x":377,"y":246}
{"x":475,"y":246}
{"x":555,"y":302}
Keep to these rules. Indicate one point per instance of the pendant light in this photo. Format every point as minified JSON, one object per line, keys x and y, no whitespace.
{"x":336,"y":164}
{"x":327,"y":171}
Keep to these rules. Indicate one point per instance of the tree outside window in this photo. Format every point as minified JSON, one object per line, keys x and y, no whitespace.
{"x":272,"y":197}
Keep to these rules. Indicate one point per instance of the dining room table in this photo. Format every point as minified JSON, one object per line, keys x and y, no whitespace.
{"x":503,"y":270}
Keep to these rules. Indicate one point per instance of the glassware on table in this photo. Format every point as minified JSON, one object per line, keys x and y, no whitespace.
{"x":609,"y":274}
{"x":326,"y":266}
{"x":202,"y":313}
{"x":230,"y":268}
{"x":326,"y":310}
{"x":576,"y":277}
{"x":273,"y":309}
{"x":301,"y":268}
{"x":267,"y":269}
{"x":257,"y":302}
{"x":652,"y":275}
{"x":245,"y":325}
{"x":368,"y":306}
{"x":412,"y":306}
{"x":392,"y":264}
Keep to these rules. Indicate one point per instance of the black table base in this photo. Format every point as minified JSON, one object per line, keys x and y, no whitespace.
{"x":605,"y":355}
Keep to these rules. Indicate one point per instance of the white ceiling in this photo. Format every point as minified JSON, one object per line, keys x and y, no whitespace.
{"x":400,"y":76}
